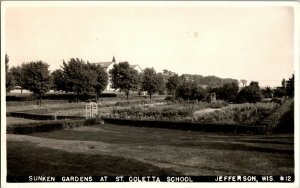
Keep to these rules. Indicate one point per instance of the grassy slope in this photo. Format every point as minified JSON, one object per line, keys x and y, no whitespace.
{"x":164,"y":151}
{"x":286,"y":122}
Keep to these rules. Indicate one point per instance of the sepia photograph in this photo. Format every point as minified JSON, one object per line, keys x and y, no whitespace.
{"x":148,"y":92}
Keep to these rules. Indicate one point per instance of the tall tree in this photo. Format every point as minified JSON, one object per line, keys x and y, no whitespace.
{"x":190,"y":90}
{"x":283,"y":83}
{"x":244,"y":82}
{"x":9,"y":80}
{"x":150,"y":81}
{"x":267,"y":92}
{"x":101,"y":80}
{"x":161,"y":83}
{"x":251,"y":93}
{"x":172,"y":84}
{"x":290,"y":86}
{"x":78,"y":77}
{"x":36,"y":78}
{"x":18,"y":77}
{"x":124,"y":77}
{"x":58,"y":80}
{"x":228,"y":92}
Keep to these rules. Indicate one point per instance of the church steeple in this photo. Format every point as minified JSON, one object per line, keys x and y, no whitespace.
{"x":114,"y":59}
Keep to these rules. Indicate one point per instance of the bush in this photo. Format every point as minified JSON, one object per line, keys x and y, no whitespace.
{"x":249,"y":94}
{"x":137,"y":102}
{"x":27,"y":115}
{"x":109,"y":95}
{"x":190,"y":91}
{"x":49,"y":126}
{"x":20,"y":98}
{"x":60,"y":96}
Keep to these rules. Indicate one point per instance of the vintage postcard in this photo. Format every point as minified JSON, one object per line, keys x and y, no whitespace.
{"x":162,"y":93}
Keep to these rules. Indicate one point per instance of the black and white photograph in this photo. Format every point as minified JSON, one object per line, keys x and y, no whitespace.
{"x":161,"y":93}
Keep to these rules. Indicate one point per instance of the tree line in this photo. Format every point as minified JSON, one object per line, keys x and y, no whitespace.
{"x":81,"y":77}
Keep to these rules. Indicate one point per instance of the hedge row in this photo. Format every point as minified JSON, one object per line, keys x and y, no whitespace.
{"x":138,"y":102}
{"x":49,"y":126}
{"x":181,"y":125}
{"x":41,"y":116}
{"x":35,"y":102}
{"x":60,"y":96}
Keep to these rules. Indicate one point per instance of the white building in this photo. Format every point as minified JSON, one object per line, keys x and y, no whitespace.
{"x":109,"y":65}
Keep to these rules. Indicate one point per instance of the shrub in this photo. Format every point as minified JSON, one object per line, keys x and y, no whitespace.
{"x":49,"y":126}
{"x":251,"y":94}
{"x":189,"y":90}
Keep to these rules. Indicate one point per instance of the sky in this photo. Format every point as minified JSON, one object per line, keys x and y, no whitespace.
{"x":249,"y":42}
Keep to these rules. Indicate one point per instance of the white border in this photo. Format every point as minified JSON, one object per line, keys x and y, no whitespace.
{"x":6,"y":4}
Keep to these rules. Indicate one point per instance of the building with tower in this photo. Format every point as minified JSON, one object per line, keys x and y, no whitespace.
{"x":109,"y":65}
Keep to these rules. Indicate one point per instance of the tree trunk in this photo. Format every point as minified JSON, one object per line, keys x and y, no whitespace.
{"x":77,"y":100}
{"x":40,"y":100}
{"x":127,"y":94}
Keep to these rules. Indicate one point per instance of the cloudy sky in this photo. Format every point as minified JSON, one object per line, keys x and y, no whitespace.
{"x":252,"y":43}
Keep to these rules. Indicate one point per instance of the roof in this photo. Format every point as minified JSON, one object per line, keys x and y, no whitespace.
{"x":104,"y":64}
{"x":136,"y":66}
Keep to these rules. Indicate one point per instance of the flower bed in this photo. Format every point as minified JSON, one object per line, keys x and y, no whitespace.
{"x":246,"y":114}
{"x":165,"y":111}
{"x":242,"y":114}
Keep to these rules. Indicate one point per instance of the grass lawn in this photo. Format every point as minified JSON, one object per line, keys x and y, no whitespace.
{"x":122,"y":150}
{"x":26,"y":159}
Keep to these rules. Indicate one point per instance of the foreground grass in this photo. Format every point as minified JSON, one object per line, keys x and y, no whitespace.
{"x":27,"y":159}
{"x":122,"y":150}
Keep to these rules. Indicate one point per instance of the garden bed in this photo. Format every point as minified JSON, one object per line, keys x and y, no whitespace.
{"x":47,"y":126}
{"x":241,"y":114}
{"x":40,"y":116}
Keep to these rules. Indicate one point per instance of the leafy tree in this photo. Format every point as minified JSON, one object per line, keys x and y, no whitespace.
{"x":254,"y":84}
{"x":124,"y":77}
{"x":197,"y":92}
{"x":184,"y":90}
{"x":58,"y":80}
{"x":9,"y":80}
{"x":283,"y":83}
{"x":101,"y":80}
{"x":189,"y":90}
{"x":168,"y":73}
{"x":36,"y":78}
{"x":279,"y":92}
{"x":150,"y":81}
{"x":172,"y":84}
{"x":228,"y":92}
{"x":244,"y":82}
{"x":139,"y":83}
{"x":267,"y":92}
{"x":250,"y":93}
{"x":161,"y":84}
{"x":18,"y":77}
{"x":290,"y":86}
{"x":78,"y":77}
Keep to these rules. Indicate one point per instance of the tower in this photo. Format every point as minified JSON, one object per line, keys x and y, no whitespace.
{"x":114,"y":59}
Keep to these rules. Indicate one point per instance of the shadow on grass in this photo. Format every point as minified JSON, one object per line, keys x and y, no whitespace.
{"x":286,"y":122}
{"x":24,"y":158}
